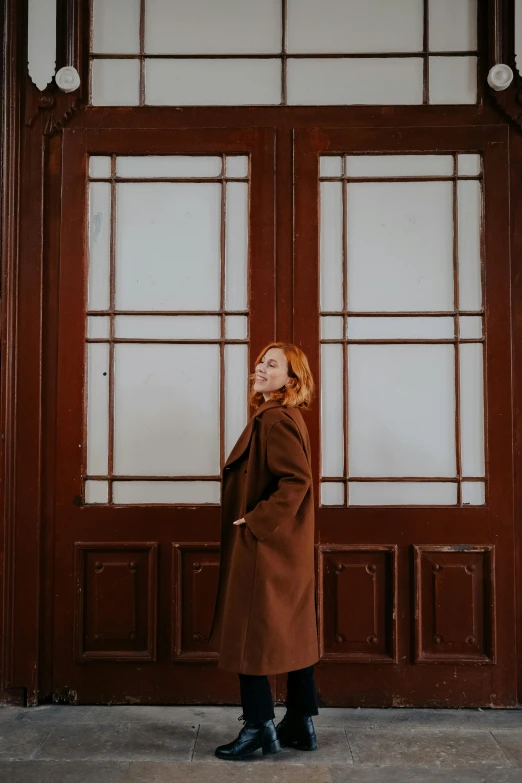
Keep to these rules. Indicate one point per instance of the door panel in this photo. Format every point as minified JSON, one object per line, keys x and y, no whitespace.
{"x":166,"y":287}
{"x":401,"y":301}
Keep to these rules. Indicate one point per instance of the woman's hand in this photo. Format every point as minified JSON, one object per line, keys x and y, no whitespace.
{"x":240,"y":522}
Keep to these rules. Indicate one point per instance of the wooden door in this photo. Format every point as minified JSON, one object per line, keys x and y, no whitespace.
{"x":402,"y":300}
{"x":166,"y":287}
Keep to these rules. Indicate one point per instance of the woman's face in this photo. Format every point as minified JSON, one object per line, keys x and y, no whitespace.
{"x":271,"y":372}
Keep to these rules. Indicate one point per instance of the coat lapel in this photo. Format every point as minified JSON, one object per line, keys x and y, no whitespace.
{"x":246,"y":436}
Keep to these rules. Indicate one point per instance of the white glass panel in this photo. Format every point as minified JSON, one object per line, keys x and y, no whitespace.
{"x":99,"y":245}
{"x":168,"y":246}
{"x":97,"y":409}
{"x":166,"y":421}
{"x":472,"y":409}
{"x":351,"y":26}
{"x":399,"y":165}
{"x":401,"y":410}
{"x":403,"y":493}
{"x":237,"y":166}
{"x":210,"y":27}
{"x":115,"y":82}
{"x":332,"y":416}
{"x":331,"y":222}
{"x":98,"y":326}
{"x":453,"y":25}
{"x":453,"y":79}
{"x":236,"y":393}
{"x":470,"y":267}
{"x":332,"y":327}
{"x":168,"y":327}
{"x":400,"y":246}
{"x":96,"y":491}
{"x":170,"y":492}
{"x":213,"y":82}
{"x":332,"y":494}
{"x":469,"y":165}
{"x":375,"y":328}
{"x":236,"y":246}
{"x":164,"y":166}
{"x":100,"y":166}
{"x":470,"y":326}
{"x":337,"y":81}
{"x":330,"y":166}
{"x":473,"y":493}
{"x":236,"y":327}
{"x":116,"y":26}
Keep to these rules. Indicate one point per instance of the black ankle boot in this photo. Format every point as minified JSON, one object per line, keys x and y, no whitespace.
{"x":251,"y":737}
{"x":297,"y":731}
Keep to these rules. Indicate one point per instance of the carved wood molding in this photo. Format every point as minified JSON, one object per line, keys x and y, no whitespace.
{"x":505,"y":47}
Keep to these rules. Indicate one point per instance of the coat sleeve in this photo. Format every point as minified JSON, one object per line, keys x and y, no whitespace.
{"x":287,"y":461}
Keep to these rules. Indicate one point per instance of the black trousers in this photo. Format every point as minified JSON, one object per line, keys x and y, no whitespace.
{"x":256,"y":695}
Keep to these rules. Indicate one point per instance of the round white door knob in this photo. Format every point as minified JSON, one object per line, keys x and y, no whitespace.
{"x":67,"y":79}
{"x":500,"y":77}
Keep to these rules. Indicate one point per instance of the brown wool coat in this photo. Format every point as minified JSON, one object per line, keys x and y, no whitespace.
{"x":265,"y":618}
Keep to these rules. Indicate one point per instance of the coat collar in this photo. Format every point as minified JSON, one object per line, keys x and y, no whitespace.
{"x":245,"y":437}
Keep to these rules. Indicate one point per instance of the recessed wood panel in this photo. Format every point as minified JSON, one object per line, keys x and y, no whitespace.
{"x":455,"y":605}
{"x":195,"y":581}
{"x":116,"y":589}
{"x":357,"y":603}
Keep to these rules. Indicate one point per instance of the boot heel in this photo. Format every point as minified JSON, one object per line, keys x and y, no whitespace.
{"x":272,"y":747}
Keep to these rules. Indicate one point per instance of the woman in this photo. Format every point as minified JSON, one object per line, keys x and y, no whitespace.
{"x":265,"y":618}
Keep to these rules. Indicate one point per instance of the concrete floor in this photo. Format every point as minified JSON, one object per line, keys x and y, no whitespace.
{"x":176,"y":745}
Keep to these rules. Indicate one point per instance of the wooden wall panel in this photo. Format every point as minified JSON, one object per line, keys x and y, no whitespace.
{"x":116,"y":600}
{"x":195,"y":582}
{"x":454,"y":604}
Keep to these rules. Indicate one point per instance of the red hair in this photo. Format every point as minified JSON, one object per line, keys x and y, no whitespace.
{"x":298,"y":393}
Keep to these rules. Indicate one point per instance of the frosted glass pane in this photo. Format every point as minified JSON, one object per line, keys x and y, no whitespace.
{"x":100,"y":166}
{"x":332,"y":415}
{"x":469,"y":165}
{"x":335,"y":81}
{"x":473,"y":493}
{"x":236,"y":393}
{"x":96,"y":491}
{"x":345,"y":26}
{"x":237,"y":166}
{"x":399,"y":165}
{"x":401,"y":410}
{"x":168,"y":327}
{"x":166,"y":421}
{"x":331,"y":222}
{"x":360,"y":328}
{"x":330,"y":166}
{"x":400,"y":246}
{"x":98,"y":326}
{"x":453,"y":80}
{"x":210,"y":27}
{"x":99,"y":245}
{"x":171,"y":492}
{"x":403,"y":493}
{"x":163,"y":166}
{"x":168,"y":246}
{"x":115,"y":82}
{"x":97,"y":409}
{"x":236,"y":327}
{"x":332,"y":494}
{"x":470,"y":326}
{"x":472,"y":409}
{"x":470,"y":268}
{"x":116,"y":26}
{"x":332,"y":327}
{"x":236,"y":246}
{"x":212,"y":82}
{"x":453,"y":25}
